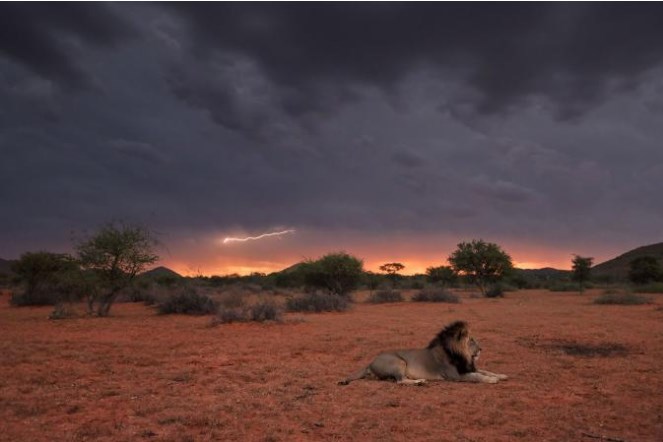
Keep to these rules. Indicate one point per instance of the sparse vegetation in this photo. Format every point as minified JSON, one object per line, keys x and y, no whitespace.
{"x":317,"y":302}
{"x":435,"y":295}
{"x":385,"y":296}
{"x":188,"y":302}
{"x":621,"y":298}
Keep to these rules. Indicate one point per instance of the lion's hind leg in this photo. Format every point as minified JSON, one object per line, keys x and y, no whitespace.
{"x":392,"y":366}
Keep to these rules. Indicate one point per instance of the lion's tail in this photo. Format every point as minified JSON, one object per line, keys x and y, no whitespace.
{"x":359,"y":374}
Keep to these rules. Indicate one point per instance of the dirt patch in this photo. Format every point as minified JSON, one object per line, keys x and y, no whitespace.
{"x":588,"y":350}
{"x":574,"y":348}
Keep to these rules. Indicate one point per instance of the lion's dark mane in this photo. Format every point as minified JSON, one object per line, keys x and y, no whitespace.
{"x":454,"y":332}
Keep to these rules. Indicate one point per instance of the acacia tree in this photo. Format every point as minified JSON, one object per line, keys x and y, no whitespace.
{"x":392,"y":269}
{"x":442,"y":275}
{"x":115,"y":255}
{"x":644,"y":269}
{"x":581,"y":270}
{"x":482,"y":263}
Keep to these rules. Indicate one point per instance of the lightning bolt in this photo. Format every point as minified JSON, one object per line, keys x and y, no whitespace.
{"x":254,"y":238}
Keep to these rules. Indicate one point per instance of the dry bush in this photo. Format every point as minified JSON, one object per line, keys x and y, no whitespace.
{"x":260,"y":311}
{"x":385,"y":296}
{"x":610,"y":297}
{"x":189,"y":302}
{"x":318,"y":302}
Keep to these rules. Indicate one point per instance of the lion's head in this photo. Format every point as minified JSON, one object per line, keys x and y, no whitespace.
{"x":461,"y":349}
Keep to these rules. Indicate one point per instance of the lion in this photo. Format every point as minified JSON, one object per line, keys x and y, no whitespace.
{"x":451,"y":355}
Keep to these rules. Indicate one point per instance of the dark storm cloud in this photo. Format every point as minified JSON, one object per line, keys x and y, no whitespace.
{"x":43,"y":37}
{"x":569,"y":54}
{"x":427,"y":119}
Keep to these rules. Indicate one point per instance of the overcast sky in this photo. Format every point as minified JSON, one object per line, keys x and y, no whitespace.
{"x":392,"y":131}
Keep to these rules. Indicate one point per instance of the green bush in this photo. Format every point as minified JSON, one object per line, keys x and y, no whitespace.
{"x":436,"y":295}
{"x":337,"y":273}
{"x":625,"y":298}
{"x":385,"y":296}
{"x":318,"y":302}
{"x":187,"y":302}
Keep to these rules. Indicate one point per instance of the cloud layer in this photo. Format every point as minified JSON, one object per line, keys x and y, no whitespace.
{"x":521,"y":123}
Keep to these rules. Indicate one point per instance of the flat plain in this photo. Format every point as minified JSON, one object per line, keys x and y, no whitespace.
{"x":578,"y":371}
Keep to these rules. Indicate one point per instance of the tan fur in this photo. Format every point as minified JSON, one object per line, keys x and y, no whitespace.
{"x":451,"y":355}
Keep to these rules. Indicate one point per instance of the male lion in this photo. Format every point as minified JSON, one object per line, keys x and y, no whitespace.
{"x":451,"y":355}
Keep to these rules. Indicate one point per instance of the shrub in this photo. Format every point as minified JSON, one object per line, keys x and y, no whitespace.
{"x":188,"y":302}
{"x":384,"y":296}
{"x":264,"y":311}
{"x":435,"y":295}
{"x":62,"y":311}
{"x":496,"y":291}
{"x":624,"y":298}
{"x":259,"y":312}
{"x":318,"y":302}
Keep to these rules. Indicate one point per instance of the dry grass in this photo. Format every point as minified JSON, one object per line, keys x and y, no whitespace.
{"x":141,"y":376}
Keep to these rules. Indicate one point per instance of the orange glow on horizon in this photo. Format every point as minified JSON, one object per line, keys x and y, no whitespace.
{"x":412,"y":266}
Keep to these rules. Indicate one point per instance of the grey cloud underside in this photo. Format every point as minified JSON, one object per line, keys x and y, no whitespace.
{"x":533,"y":121}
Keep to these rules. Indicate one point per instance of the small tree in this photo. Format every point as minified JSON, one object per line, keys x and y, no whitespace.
{"x":115,"y":255}
{"x":483,"y":263}
{"x":644,"y":269}
{"x":392,"y":269}
{"x":581,"y":270}
{"x":338,"y":273}
{"x":442,"y":275}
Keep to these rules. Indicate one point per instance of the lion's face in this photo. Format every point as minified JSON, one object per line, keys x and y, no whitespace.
{"x":475,"y":349}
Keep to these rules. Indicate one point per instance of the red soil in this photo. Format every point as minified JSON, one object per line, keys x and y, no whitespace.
{"x":137,"y":375}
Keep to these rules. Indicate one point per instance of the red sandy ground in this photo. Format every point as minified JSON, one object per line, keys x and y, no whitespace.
{"x":140,"y":376}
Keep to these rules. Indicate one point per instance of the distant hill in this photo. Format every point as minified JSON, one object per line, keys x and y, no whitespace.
{"x":5,"y":266}
{"x":161,"y":272}
{"x":617,"y":268}
{"x":546,"y":273}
